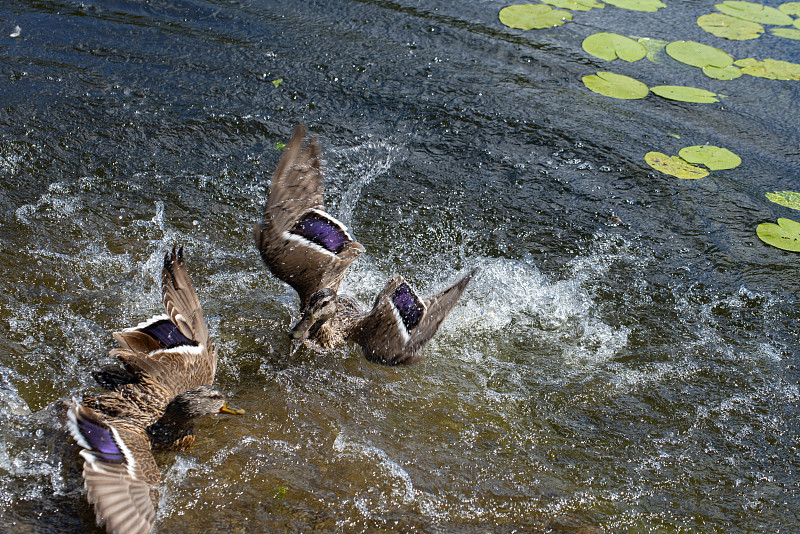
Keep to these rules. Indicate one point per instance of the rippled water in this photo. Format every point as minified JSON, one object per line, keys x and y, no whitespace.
{"x":624,"y":361}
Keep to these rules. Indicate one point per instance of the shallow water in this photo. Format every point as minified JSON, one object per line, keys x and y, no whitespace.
{"x":624,"y":361}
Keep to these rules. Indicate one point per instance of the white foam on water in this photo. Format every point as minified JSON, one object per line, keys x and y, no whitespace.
{"x":31,"y":470}
{"x":179,"y":471}
{"x":12,"y":155}
{"x":57,"y":204}
{"x":405,"y":493}
{"x":355,"y":168}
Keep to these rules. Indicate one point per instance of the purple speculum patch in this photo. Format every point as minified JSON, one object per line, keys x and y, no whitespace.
{"x":322,"y":231}
{"x":408,"y":305}
{"x":167,"y":334}
{"x":101,"y":441}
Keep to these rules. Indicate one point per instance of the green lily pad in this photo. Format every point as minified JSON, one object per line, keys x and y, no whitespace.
{"x":616,"y":85}
{"x":797,"y":23}
{"x":575,"y":5}
{"x":754,"y":12}
{"x":674,"y":166}
{"x":789,"y":33}
{"x":685,"y":94}
{"x":713,"y":157}
{"x":789,"y":199}
{"x":638,"y":5}
{"x":785,"y":235}
{"x":772,"y":69}
{"x":790,"y":8}
{"x":729,"y":27}
{"x":653,"y":47}
{"x":533,"y":17}
{"x":698,"y":54}
{"x":610,"y":46}
{"x":727,"y":73}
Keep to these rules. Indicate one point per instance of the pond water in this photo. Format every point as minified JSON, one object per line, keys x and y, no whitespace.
{"x":625,"y":359}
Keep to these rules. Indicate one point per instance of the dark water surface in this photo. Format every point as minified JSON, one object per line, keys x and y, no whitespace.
{"x":624,"y":361}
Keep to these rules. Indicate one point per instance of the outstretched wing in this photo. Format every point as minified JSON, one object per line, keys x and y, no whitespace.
{"x":296,"y":184}
{"x":173,"y":349}
{"x":119,"y":472}
{"x":400,"y":323}
{"x":299,"y":242}
{"x":180,"y":300}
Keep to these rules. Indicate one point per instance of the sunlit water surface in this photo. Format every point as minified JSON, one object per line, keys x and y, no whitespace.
{"x":625,"y":359}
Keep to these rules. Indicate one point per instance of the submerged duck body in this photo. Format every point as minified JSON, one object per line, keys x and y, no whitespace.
{"x":310,"y":250}
{"x":151,"y":401}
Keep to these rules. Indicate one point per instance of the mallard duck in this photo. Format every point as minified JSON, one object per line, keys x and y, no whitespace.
{"x":151,"y":402}
{"x":310,"y":250}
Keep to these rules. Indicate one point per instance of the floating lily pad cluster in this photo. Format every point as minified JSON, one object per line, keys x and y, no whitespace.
{"x":718,"y":64}
{"x":627,"y":88}
{"x":714,"y":63}
{"x":741,"y":20}
{"x":736,"y":20}
{"x":550,"y":13}
{"x":786,"y":234}
{"x":686,"y":165}
{"x":533,"y":17}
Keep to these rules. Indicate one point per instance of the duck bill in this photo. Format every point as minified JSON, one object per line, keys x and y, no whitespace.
{"x":231,"y":410}
{"x":300,"y":330}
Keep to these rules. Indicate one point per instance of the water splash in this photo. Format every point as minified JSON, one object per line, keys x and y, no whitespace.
{"x":354,"y":169}
{"x":57,"y":204}
{"x":402,"y":491}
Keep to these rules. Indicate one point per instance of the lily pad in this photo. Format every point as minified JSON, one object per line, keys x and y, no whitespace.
{"x":790,"y":8}
{"x":638,"y":5}
{"x":729,"y":27}
{"x":616,"y":85}
{"x":785,"y":235}
{"x":728,"y":73}
{"x":575,"y":5}
{"x":772,"y":69}
{"x":789,"y":199}
{"x":754,"y":12}
{"x":685,"y":94}
{"x":698,"y":54}
{"x":713,"y":157}
{"x":789,"y":33}
{"x":653,"y":47}
{"x":674,"y":166}
{"x":610,"y":46}
{"x":533,"y":17}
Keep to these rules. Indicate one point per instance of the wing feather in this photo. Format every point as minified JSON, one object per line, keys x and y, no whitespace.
{"x":296,"y":183}
{"x":400,"y":324}
{"x":174,"y":349}
{"x":180,"y":299}
{"x":119,"y":472}
{"x":299,"y":242}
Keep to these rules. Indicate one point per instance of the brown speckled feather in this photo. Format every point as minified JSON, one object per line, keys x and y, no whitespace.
{"x":119,"y":472}
{"x":176,"y":368}
{"x":383,"y":337}
{"x":296,"y":190}
{"x":165,"y":359}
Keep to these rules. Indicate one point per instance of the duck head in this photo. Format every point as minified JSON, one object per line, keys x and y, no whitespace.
{"x":321,"y":306}
{"x":199,"y":401}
